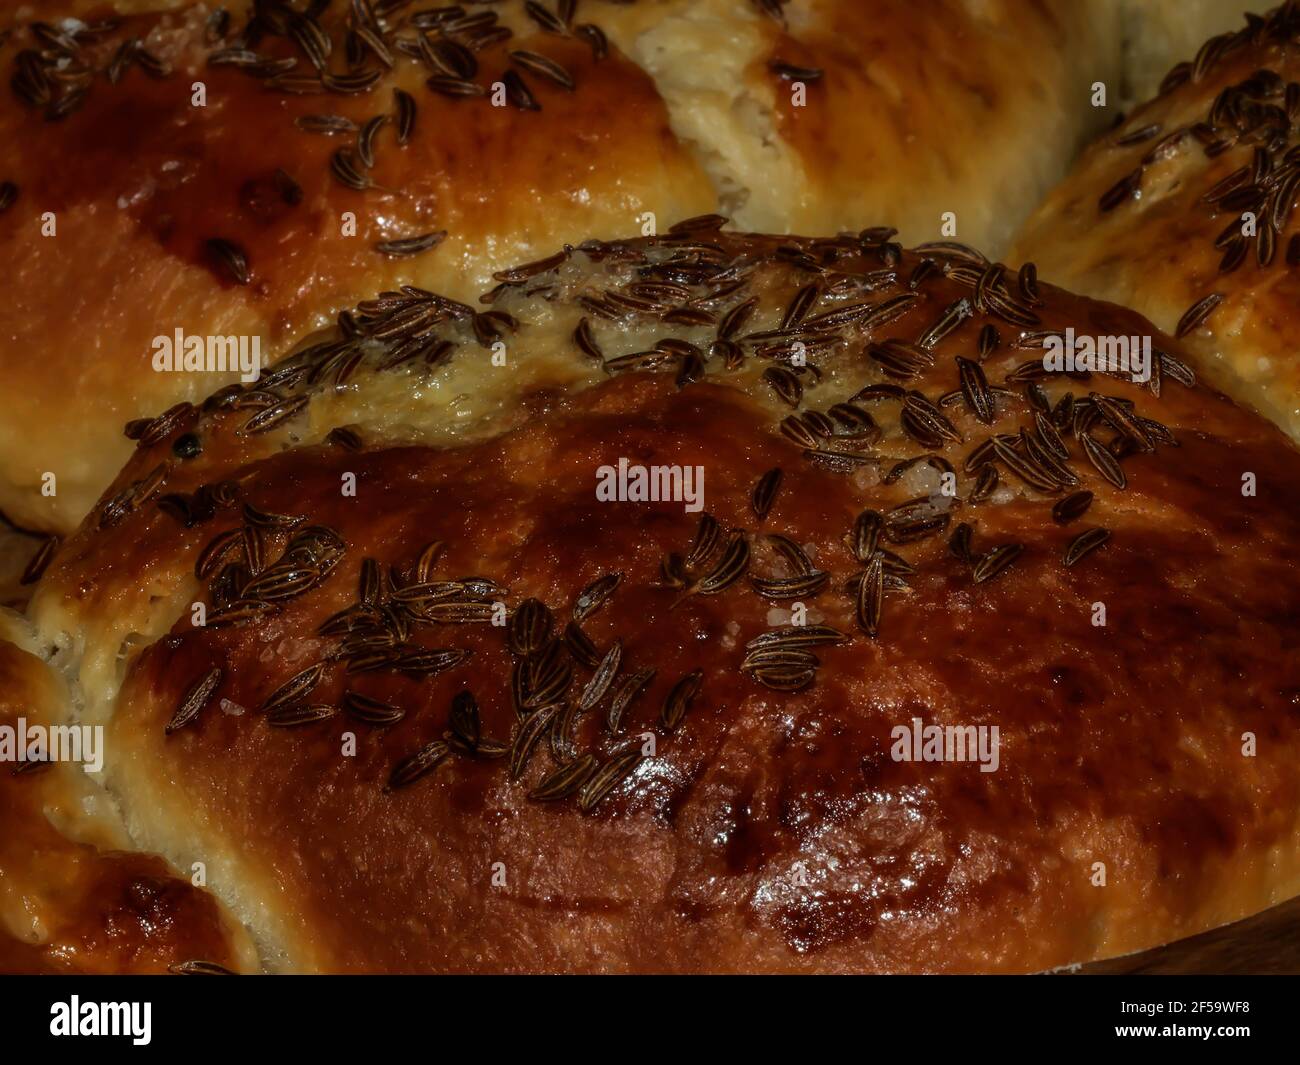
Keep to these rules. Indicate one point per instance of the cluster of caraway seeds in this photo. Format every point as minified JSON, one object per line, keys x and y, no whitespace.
{"x":1256,"y":116}
{"x":56,"y":74}
{"x":693,"y":277}
{"x":685,"y":278}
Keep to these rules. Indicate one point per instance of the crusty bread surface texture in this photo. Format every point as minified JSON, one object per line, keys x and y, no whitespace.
{"x":594,"y":577}
{"x":450,"y":710}
{"x":75,"y":895}
{"x":1185,"y":212}
{"x":171,"y":169}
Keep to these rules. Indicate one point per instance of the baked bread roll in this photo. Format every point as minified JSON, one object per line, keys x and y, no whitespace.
{"x":1185,"y":212}
{"x":574,"y":630}
{"x":190,"y":183}
{"x":141,"y":183}
{"x":73,"y":897}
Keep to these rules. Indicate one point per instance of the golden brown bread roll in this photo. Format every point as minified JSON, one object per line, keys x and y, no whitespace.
{"x":140,"y":181}
{"x":678,"y":750}
{"x":675,"y":108}
{"x":911,"y":111}
{"x":1185,"y":213}
{"x":73,"y":897}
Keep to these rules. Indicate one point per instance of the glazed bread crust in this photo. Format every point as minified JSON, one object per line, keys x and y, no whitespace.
{"x":749,"y":816}
{"x":1188,"y":207}
{"x":139,"y":180}
{"x":664,"y":108}
{"x":75,"y":896}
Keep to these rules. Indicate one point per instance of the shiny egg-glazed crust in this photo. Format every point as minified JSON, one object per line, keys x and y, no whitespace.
{"x":159,"y":176}
{"x":77,"y":897}
{"x":448,"y":710}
